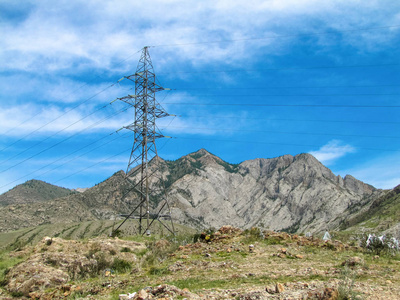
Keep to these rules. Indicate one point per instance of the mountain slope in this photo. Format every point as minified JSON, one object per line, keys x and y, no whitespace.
{"x":33,"y":191}
{"x":293,"y":193}
{"x":382,"y":215}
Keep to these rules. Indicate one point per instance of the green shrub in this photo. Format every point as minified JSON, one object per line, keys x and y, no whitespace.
{"x":346,"y":285}
{"x":380,"y":245}
{"x":17,"y":294}
{"x":102,"y":264}
{"x":126,"y":249}
{"x":253,"y":235}
{"x":121,"y":265}
{"x":272,"y":241}
{"x":159,"y":271}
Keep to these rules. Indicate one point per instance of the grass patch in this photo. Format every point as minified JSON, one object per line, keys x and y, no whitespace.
{"x":121,"y":265}
{"x":272,"y":241}
{"x":198,"y":283}
{"x":6,"y":263}
{"x":159,"y":271}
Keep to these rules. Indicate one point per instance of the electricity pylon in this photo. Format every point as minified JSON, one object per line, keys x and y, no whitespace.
{"x":139,"y":173}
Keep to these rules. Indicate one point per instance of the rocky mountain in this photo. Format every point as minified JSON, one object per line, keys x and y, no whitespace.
{"x":33,"y":191}
{"x":284,"y":193}
{"x":292,"y":193}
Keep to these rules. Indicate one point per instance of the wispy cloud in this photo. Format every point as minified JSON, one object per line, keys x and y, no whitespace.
{"x":82,"y":34}
{"x":49,"y":119}
{"x":332,"y":151}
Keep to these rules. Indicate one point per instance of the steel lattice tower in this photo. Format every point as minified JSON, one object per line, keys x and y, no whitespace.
{"x":139,"y":172}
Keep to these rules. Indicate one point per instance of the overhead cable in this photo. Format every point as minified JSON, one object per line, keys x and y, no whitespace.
{"x":282,"y":105}
{"x":62,"y":141}
{"x":286,"y":132}
{"x":278,"y":36}
{"x":278,"y":144}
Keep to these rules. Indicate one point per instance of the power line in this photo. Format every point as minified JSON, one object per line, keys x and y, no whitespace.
{"x":278,"y":144}
{"x":286,"y":68}
{"x":54,"y":134}
{"x":287,"y":132}
{"x":62,"y":141}
{"x":95,"y":164}
{"x":67,"y":111}
{"x":278,"y":36}
{"x":294,"y":120}
{"x":286,"y":87}
{"x":297,"y":95}
{"x":62,"y":158}
{"x":57,"y":118}
{"x":282,"y":105}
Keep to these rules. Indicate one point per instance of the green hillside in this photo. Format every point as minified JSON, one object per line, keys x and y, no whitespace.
{"x":381,"y":215}
{"x":76,"y":231}
{"x":33,"y":191}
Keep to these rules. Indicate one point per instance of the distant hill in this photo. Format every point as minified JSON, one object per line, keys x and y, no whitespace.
{"x":33,"y":191}
{"x":286,"y":193}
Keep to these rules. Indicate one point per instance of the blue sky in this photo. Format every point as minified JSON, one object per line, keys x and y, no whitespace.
{"x":249,"y":79}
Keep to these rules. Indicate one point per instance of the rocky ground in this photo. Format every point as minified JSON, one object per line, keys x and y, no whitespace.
{"x":227,"y":264}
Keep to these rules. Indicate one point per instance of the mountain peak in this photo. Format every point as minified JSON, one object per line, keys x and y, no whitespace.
{"x":200,"y":153}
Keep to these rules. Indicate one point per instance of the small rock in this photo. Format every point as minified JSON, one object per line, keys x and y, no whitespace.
{"x":142,"y":295}
{"x":207,"y":255}
{"x":299,"y":256}
{"x":279,"y":288}
{"x":270,"y":289}
{"x":34,"y":295}
{"x":330,"y":294}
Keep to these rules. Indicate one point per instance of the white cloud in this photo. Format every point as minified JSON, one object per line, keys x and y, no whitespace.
{"x":47,"y":119}
{"x":84,"y":34}
{"x":332,"y":151}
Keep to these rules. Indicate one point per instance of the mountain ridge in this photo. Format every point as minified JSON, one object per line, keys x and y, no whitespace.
{"x":292,"y":193}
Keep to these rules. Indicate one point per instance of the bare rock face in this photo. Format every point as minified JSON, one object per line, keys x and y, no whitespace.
{"x":284,"y":193}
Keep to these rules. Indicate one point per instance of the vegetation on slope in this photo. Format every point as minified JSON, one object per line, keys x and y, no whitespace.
{"x":33,"y":191}
{"x":382,"y":214}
